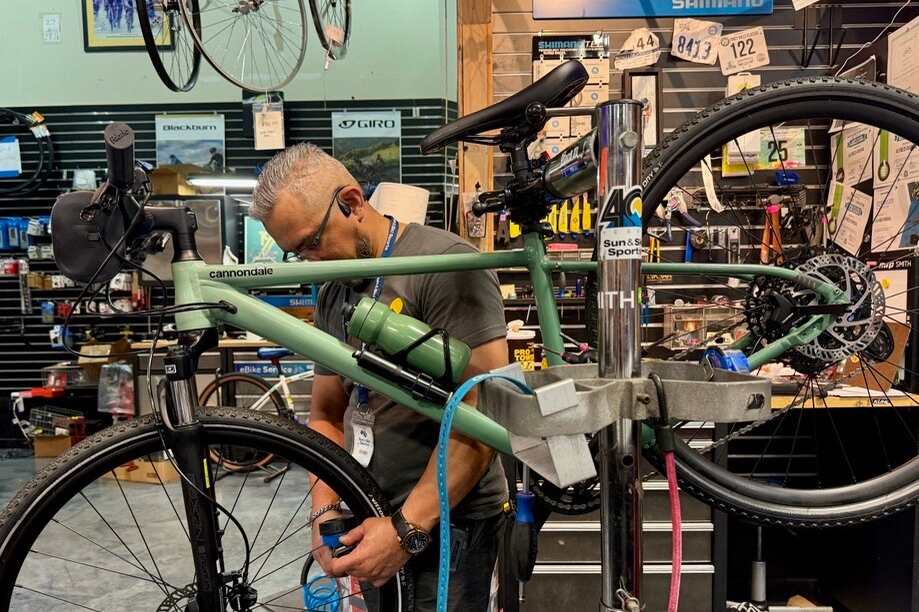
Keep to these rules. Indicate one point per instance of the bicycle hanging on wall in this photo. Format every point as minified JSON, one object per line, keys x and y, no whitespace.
{"x":823,"y":305}
{"x":255,"y":44}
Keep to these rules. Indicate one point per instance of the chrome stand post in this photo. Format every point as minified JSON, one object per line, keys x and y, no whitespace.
{"x":619,"y":147}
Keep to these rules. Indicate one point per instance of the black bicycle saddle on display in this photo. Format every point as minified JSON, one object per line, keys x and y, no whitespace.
{"x":555,"y":89}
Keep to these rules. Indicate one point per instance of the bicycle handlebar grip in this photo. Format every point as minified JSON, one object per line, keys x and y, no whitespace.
{"x":119,"y":155}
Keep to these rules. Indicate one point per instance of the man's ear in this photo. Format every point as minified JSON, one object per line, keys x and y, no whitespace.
{"x":351,"y":202}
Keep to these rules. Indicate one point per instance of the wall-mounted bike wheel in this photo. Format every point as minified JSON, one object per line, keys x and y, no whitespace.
{"x":255,"y":44}
{"x":332,"y":19}
{"x":169,"y":41}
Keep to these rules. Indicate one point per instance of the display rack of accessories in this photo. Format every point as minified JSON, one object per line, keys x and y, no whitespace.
{"x":80,"y":163}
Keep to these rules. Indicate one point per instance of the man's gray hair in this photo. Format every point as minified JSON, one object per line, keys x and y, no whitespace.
{"x":303,"y":168}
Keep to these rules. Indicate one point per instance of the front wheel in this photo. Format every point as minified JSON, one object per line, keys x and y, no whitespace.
{"x":76,"y":537}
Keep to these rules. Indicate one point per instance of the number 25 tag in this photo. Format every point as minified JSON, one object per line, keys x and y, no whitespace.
{"x":743,"y":50}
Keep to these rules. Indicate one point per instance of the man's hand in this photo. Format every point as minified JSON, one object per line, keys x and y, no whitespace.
{"x":321,"y":552}
{"x":378,"y":556}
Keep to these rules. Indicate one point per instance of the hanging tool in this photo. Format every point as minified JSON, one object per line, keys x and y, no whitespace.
{"x":654,"y":249}
{"x":733,"y":245}
{"x":563,"y":220}
{"x":771,"y":247}
{"x":574,"y":220}
{"x":586,"y":218}
{"x":552,"y":218}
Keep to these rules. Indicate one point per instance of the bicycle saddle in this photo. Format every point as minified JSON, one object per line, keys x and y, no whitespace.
{"x":555,"y":89}
{"x":271,"y":353}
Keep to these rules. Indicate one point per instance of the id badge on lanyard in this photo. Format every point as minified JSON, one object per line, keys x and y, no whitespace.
{"x":362,"y":418}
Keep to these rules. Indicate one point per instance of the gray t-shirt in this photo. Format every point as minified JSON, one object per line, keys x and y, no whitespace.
{"x":468,"y":305}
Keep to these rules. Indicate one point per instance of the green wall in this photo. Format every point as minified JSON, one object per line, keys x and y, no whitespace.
{"x":399,"y":49}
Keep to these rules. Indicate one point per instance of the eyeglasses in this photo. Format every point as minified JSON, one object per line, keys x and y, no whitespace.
{"x":311,"y":244}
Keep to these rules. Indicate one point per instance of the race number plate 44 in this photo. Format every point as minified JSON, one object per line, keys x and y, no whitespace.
{"x":743,"y":50}
{"x":696,"y":41}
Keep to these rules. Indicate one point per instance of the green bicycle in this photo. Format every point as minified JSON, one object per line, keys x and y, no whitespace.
{"x":227,"y":548}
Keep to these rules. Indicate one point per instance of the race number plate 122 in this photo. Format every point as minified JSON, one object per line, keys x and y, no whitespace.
{"x":696,"y":41}
{"x":743,"y":51}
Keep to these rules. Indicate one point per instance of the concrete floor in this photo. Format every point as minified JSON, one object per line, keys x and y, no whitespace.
{"x":89,"y":565}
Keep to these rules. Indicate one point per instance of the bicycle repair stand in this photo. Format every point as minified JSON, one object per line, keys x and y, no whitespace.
{"x":548,"y":427}
{"x":619,"y":149}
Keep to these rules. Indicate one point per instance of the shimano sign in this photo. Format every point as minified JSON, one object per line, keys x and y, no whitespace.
{"x":552,"y":9}
{"x":367,"y":125}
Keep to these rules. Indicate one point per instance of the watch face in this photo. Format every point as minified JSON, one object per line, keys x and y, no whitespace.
{"x":416,"y":541}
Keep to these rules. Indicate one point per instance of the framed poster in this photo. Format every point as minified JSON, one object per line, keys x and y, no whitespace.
{"x":645,"y":87}
{"x":111,"y":25}
{"x":600,"y":9}
{"x":369,"y":144}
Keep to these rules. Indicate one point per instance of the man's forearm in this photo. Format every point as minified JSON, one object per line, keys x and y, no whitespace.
{"x":467,"y":461}
{"x":322,"y":493}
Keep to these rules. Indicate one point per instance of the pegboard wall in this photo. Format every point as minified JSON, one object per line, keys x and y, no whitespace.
{"x":77,"y":136}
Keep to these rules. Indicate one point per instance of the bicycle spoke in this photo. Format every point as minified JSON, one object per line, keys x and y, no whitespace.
{"x":98,"y":567}
{"x":48,"y":595}
{"x":874,"y":374}
{"x":139,"y":530}
{"x":280,"y":567}
{"x":877,"y":423}
{"x":845,"y":455}
{"x":101,"y":547}
{"x":852,"y":197}
{"x":794,"y":442}
{"x":286,"y":527}
{"x":123,"y":543}
{"x":268,"y":509}
{"x":168,"y":497}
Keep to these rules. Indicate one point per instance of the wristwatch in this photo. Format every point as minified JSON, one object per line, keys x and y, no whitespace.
{"x":412,"y":538}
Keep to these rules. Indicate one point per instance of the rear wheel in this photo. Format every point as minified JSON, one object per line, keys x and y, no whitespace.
{"x":800,"y":466}
{"x":76,"y":538}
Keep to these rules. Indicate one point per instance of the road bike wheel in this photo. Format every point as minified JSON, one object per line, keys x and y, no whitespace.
{"x":332,"y":19}
{"x":74,"y":538}
{"x":169,"y":41}
{"x":796,"y":468}
{"x":248,"y":392}
{"x":255,"y":44}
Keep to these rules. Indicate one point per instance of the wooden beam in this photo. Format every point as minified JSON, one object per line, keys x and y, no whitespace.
{"x":475,"y":87}
{"x":473,"y":11}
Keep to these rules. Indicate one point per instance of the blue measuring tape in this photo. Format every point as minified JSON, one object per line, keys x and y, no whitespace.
{"x":363,"y":393}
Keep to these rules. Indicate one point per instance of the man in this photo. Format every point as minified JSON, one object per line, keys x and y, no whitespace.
{"x":314,"y":208}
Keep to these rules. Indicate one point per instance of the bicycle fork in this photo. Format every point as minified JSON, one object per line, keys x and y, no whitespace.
{"x":185,"y":438}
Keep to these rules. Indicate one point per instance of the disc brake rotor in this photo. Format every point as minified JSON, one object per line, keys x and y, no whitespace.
{"x":855,"y":330}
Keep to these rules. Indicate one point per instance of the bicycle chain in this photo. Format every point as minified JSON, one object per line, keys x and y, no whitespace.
{"x":732,"y":436}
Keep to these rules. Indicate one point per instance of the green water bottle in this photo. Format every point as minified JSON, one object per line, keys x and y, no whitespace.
{"x":374,"y":323}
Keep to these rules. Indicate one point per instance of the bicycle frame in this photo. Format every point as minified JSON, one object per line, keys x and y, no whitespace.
{"x":196,"y":281}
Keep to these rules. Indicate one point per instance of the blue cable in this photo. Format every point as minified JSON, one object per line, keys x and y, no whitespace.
{"x":443,"y":496}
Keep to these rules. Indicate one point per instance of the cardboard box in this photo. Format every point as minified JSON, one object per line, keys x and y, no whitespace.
{"x":51,"y":446}
{"x":145,"y":471}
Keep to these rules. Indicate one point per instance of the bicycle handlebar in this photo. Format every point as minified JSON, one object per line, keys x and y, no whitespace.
{"x":119,"y":155}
